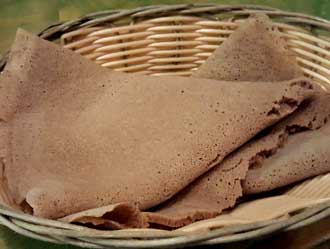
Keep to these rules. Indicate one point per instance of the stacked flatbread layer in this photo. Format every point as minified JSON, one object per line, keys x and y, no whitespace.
{"x":296,"y":148}
{"x":117,"y":150}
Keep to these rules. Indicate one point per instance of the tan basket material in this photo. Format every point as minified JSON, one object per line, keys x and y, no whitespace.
{"x":177,"y":45}
{"x":174,"y":40}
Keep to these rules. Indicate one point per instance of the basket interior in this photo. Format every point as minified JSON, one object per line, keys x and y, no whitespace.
{"x":178,"y":44}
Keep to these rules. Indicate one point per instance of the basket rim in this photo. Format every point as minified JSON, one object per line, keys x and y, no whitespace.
{"x":54,"y":31}
{"x":206,"y":10}
{"x":30,"y":226}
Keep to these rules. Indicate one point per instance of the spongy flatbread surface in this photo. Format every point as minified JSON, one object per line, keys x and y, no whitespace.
{"x":302,"y":154}
{"x":81,"y":137}
{"x":220,"y":187}
{"x":298,"y":140}
{"x":295,"y":149}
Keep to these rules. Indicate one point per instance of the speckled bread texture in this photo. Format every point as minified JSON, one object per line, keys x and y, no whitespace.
{"x":256,"y":51}
{"x":81,"y":136}
{"x":219,"y":188}
{"x":302,"y":150}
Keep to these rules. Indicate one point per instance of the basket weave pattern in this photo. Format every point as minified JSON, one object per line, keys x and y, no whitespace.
{"x":174,"y":40}
{"x":178,"y":44}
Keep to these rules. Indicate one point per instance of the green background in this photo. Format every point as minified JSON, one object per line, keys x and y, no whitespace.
{"x":34,"y":15}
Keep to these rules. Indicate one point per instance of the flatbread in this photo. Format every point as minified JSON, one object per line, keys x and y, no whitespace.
{"x":78,"y":136}
{"x":256,"y":51}
{"x":220,"y":187}
{"x":116,"y":216}
{"x":300,"y":147}
{"x":302,"y":155}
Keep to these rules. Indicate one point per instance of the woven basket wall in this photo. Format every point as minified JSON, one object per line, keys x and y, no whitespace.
{"x":174,"y":40}
{"x":183,"y":37}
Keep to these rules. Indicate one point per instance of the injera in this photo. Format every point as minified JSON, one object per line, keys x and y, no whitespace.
{"x":219,"y":188}
{"x":75,"y":136}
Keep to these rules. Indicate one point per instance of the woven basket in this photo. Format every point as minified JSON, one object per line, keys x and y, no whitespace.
{"x":174,"y":40}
